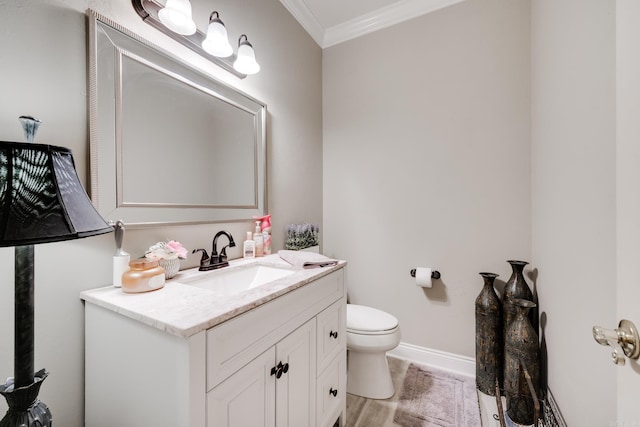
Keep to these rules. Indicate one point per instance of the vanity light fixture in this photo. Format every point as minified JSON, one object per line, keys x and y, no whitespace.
{"x":176,"y":16}
{"x":246,"y":60}
{"x":214,"y":46}
{"x":217,"y":41}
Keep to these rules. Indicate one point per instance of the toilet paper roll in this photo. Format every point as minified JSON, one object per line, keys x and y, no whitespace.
{"x":120,"y":266}
{"x":423,"y":277}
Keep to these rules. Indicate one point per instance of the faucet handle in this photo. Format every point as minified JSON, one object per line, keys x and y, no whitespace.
{"x":223,"y":254}
{"x":205,"y":255}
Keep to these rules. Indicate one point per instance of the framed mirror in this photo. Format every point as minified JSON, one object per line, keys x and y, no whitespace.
{"x":169,"y":144}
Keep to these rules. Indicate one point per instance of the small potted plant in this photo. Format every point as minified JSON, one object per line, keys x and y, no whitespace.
{"x":302,"y":237}
{"x":168,"y":254}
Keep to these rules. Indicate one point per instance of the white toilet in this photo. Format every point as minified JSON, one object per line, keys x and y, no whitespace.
{"x":370,"y":334}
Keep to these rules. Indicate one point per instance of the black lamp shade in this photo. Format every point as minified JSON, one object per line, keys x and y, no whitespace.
{"x":41,"y":198}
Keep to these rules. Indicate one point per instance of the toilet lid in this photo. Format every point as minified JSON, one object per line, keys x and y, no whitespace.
{"x":369,"y":319}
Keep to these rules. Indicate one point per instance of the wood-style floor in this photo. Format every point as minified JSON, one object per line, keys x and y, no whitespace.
{"x":362,"y":412}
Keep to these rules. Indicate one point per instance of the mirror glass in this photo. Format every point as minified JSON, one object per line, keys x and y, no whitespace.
{"x":169,"y":145}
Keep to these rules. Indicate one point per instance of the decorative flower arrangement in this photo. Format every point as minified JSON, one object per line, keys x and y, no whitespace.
{"x":301,"y":236}
{"x":166,"y":250}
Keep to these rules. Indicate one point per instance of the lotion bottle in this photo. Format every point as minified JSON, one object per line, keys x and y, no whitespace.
{"x":258,"y":240}
{"x":249,"y":247}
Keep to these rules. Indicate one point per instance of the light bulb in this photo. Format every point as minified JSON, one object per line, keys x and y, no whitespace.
{"x":217,"y":41}
{"x":246,"y":60}
{"x":176,"y":16}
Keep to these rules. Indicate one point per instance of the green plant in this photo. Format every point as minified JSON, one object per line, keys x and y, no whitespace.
{"x":301,"y":236}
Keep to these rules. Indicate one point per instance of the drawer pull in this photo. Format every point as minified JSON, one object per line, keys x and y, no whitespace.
{"x":333,"y":392}
{"x":280,"y":369}
{"x":333,"y":334}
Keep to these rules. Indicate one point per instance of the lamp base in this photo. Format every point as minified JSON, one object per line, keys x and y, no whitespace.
{"x":25,"y":410}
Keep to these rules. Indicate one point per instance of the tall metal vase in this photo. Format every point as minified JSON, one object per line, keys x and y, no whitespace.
{"x":521,"y":344}
{"x":516,"y":287}
{"x":489,"y":343}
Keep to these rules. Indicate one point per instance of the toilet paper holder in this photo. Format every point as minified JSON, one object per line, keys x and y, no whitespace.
{"x":435,"y":274}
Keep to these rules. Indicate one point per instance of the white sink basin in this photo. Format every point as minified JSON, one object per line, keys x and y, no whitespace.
{"x":237,"y":279}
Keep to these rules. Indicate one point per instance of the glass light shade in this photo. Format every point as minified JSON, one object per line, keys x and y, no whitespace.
{"x":176,"y":16}
{"x":246,"y":61}
{"x":217,"y":41}
{"x":41,"y":198}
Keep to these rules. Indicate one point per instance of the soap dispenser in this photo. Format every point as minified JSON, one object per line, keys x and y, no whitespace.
{"x":249,"y":247}
{"x":121,"y":258}
{"x":258,"y":240}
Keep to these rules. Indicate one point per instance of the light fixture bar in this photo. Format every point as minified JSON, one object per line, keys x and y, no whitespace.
{"x":148,"y":11}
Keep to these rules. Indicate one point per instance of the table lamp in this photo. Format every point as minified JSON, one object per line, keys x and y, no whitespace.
{"x":41,"y":201}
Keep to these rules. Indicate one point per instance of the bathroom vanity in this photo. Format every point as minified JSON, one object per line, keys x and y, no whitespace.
{"x":210,"y":350}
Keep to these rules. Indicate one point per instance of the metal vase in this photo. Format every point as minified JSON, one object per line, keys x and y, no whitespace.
{"x":489,"y":342}
{"x":521,"y":344}
{"x":516,"y":287}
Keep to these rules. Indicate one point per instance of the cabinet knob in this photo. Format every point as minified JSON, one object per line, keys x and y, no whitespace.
{"x":333,"y":392}
{"x":277,"y":370}
{"x":333,"y":334}
{"x":280,"y":369}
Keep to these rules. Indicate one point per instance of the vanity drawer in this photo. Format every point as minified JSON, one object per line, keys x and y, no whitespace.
{"x":236,"y":342}
{"x":331,"y":392}
{"x":331,"y":337}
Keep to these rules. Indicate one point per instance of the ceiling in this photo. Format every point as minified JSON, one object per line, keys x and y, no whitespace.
{"x":331,"y":22}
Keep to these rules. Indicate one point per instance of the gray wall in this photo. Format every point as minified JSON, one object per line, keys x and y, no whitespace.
{"x":43,"y":56}
{"x":574,"y":198}
{"x":438,"y":134}
{"x":427,"y":163}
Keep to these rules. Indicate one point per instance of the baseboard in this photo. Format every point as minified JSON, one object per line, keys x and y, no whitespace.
{"x":435,"y":358}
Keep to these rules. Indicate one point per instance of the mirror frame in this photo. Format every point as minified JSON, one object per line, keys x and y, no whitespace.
{"x":105,"y":128}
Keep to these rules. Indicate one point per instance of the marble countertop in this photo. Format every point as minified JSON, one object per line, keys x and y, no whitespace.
{"x":185,"y":310}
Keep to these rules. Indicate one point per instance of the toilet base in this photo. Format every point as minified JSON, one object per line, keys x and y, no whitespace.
{"x":368,"y":375}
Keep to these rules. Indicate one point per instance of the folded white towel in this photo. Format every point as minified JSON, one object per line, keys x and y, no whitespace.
{"x":302,"y":259}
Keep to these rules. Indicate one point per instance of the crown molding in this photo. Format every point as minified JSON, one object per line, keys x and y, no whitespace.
{"x":365,"y":24}
{"x":306,"y":18}
{"x":382,"y":18}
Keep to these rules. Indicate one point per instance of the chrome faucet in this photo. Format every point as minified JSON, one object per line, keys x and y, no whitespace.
{"x":215,"y":261}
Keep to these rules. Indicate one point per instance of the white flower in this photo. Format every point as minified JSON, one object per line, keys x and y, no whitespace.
{"x":166,"y":250}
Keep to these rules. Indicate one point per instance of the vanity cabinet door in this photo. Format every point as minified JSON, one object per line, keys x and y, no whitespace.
{"x":332,"y":333}
{"x":246,"y":398}
{"x":331,"y":392}
{"x":277,"y":389}
{"x":295,"y":389}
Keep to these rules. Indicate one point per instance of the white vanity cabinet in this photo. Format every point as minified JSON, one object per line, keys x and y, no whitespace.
{"x":281,"y":363}
{"x":276,"y":388}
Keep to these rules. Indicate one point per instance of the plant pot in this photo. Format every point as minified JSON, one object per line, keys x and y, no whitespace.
{"x":171,"y":267}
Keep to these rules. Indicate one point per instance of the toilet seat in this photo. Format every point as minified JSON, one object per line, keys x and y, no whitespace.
{"x":365,"y":320}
